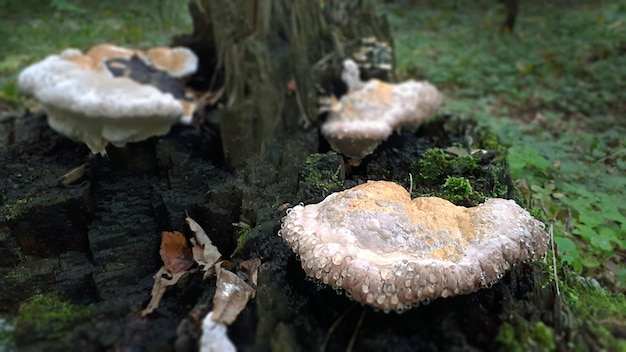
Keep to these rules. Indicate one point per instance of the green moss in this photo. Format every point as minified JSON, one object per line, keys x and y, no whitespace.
{"x":591,"y":303}
{"x":525,"y":337}
{"x":321,"y":175}
{"x":487,"y":140}
{"x":15,"y":210}
{"x":48,"y":315}
{"x":433,"y":164}
{"x":458,"y":190}
{"x":463,"y":178}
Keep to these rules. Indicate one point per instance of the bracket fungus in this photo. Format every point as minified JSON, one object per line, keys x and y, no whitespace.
{"x":370,"y":111}
{"x":391,"y":252}
{"x":86,"y":101}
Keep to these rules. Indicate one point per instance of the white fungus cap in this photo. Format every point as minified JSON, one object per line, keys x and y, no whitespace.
{"x":177,"y":62}
{"x":372,"y":110}
{"x":390,"y":252}
{"x":95,"y":108}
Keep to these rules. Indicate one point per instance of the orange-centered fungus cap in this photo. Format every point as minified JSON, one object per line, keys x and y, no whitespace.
{"x":370,"y":111}
{"x":391,"y":252}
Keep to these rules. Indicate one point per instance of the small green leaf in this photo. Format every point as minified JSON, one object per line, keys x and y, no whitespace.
{"x":602,"y":243}
{"x":589,"y":262}
{"x":586,"y":232}
{"x":565,"y":245}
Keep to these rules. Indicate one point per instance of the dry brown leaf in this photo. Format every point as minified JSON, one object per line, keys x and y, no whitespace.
{"x":251,"y":268}
{"x":162,"y":279}
{"x":175,"y":252}
{"x":204,"y":252}
{"x":231,"y":296}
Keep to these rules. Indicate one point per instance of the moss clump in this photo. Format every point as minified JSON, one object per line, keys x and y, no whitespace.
{"x":15,"y":210}
{"x":47,"y":315}
{"x":458,"y":190}
{"x":600,"y":312}
{"x":463,"y":178}
{"x":522,"y":337}
{"x":435,"y":165}
{"x":321,"y":175}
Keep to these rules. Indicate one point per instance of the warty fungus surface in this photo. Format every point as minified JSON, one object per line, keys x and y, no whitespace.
{"x":390,"y":252}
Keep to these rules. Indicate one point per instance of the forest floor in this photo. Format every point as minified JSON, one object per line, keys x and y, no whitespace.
{"x":552,"y":90}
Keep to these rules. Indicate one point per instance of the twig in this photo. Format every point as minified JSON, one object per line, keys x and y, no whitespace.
{"x":306,"y":120}
{"x":334,"y":326}
{"x":356,"y":331}
{"x":556,"y":277}
{"x":411,"y":185}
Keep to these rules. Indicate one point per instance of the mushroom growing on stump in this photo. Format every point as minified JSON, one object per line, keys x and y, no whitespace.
{"x":370,"y":111}
{"x":391,"y":252}
{"x":86,"y":101}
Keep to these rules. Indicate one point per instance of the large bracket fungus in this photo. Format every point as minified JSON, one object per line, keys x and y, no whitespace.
{"x":370,"y":111}
{"x":391,"y":252}
{"x":87,"y":101}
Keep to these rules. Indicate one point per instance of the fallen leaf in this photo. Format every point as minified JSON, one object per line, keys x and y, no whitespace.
{"x":162,"y":279}
{"x":251,"y":269}
{"x":204,"y":252}
{"x":175,"y":252}
{"x":231,"y":297}
{"x":214,"y":337}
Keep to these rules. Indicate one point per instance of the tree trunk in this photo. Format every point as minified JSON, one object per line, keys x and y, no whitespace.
{"x":511,"y":7}
{"x":269,"y":56}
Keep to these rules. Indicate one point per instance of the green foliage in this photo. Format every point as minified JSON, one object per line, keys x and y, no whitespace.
{"x":584,"y":204}
{"x":67,"y":6}
{"x":553,"y":90}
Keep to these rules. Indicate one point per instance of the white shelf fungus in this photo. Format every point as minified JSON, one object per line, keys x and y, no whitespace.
{"x":391,"y":252}
{"x":86,"y":102}
{"x":370,"y":111}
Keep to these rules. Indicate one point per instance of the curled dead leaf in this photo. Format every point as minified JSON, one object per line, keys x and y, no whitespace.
{"x":175,"y":252}
{"x":203,"y":250}
{"x":251,"y":269}
{"x":162,"y":279}
{"x":231,"y":297}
